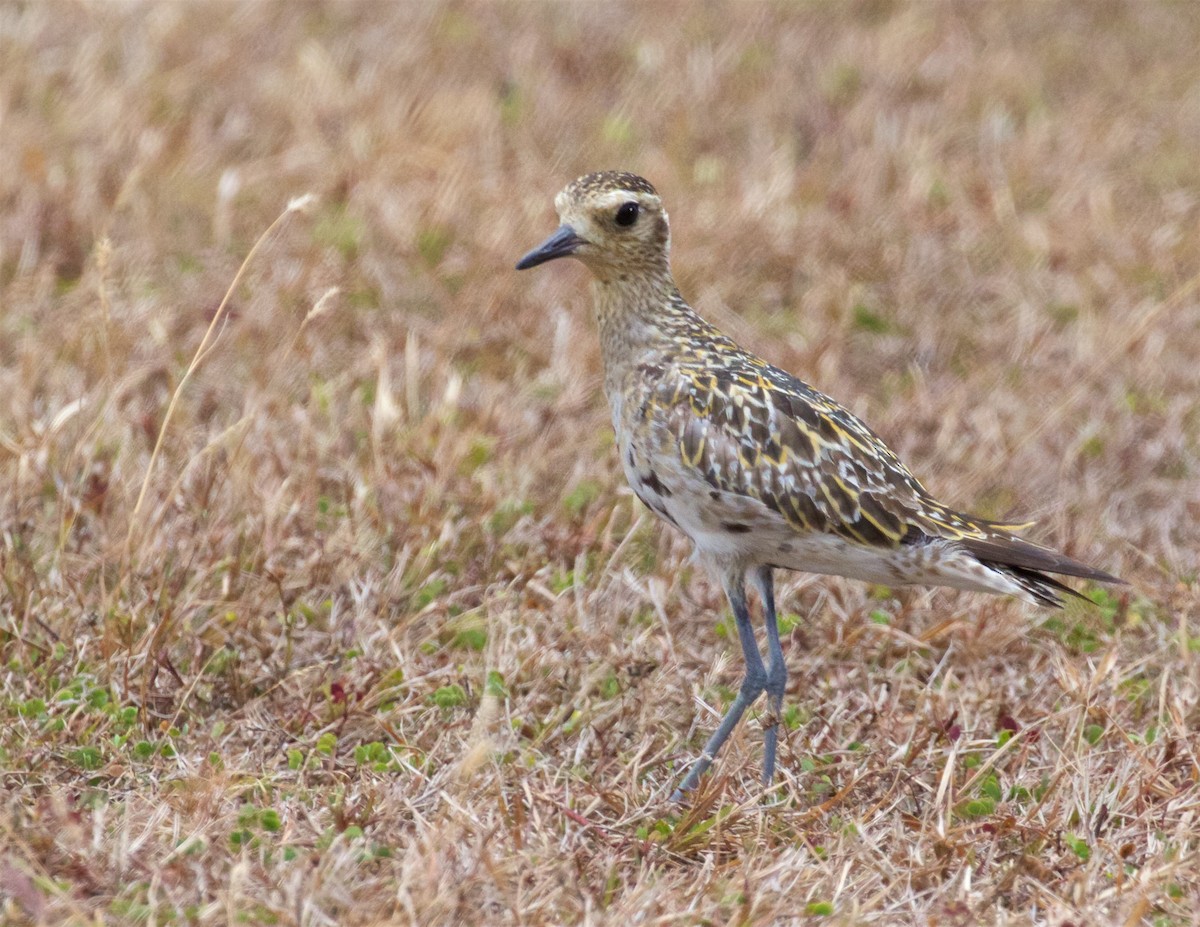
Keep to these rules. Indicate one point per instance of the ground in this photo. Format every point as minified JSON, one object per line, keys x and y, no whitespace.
{"x":327,"y":603}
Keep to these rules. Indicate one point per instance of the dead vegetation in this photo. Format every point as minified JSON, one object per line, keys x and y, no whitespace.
{"x":387,"y":640}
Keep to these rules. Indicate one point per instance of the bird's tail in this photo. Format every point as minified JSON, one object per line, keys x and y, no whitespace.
{"x":1028,"y":563}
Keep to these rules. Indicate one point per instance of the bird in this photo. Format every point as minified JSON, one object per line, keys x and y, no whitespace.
{"x":758,"y":469}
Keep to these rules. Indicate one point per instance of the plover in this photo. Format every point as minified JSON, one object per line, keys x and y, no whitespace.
{"x":757,"y":468}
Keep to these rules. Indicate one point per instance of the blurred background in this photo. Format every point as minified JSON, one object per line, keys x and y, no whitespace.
{"x":977,"y":225}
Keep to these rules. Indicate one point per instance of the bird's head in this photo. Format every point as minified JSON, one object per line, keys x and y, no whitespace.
{"x":612,"y":221}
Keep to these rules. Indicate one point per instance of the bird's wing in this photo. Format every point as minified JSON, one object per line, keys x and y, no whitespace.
{"x":754,"y":430}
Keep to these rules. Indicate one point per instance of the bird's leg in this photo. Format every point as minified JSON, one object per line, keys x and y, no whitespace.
{"x":753,"y":684}
{"x":776,"y":681}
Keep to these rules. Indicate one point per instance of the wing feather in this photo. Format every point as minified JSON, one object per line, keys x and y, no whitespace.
{"x":773,"y":438}
{"x":747,"y":428}
{"x":1020,"y":554}
{"x":765,"y":434}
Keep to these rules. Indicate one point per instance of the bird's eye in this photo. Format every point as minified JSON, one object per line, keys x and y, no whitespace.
{"x":627,"y":214}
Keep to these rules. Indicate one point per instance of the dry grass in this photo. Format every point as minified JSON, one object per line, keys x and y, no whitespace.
{"x":389,"y":641}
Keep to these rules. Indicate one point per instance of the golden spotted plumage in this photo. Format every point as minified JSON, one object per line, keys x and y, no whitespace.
{"x":759,"y":469}
{"x":747,"y":427}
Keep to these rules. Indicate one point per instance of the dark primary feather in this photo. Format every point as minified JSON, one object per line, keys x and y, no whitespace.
{"x":1046,"y":589}
{"x":1010,"y":551}
{"x":1025,"y":562}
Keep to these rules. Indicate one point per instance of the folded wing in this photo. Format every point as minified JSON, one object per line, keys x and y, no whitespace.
{"x":754,"y":430}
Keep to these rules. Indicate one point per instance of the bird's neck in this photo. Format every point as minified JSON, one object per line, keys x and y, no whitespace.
{"x":642,"y":319}
{"x":631,"y":310}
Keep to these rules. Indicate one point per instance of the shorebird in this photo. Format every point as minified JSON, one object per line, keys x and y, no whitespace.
{"x":757,"y":468}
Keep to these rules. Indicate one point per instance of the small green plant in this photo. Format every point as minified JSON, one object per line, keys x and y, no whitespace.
{"x":494,"y":685}
{"x":473,"y":638}
{"x":447,"y":697}
{"x":1079,"y":846}
{"x":88,"y":758}
{"x":584,"y":494}
{"x":327,"y":743}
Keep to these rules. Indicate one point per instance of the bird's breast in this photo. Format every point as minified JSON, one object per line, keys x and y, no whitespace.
{"x":721,"y":524}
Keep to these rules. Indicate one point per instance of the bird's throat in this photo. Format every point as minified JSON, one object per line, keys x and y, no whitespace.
{"x":633,"y":314}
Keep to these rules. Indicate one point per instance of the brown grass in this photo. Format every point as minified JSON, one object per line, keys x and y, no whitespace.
{"x":389,"y":641}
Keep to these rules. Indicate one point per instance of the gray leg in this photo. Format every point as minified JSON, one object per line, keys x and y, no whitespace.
{"x":776,"y":672}
{"x":752,"y":686}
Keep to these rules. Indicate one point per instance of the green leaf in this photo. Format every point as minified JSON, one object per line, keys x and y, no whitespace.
{"x":1079,"y":846}
{"x":494,"y":686}
{"x":339,"y":230}
{"x":470,"y":639}
{"x":432,"y":243}
{"x":326,"y":743}
{"x":429,"y":592}
{"x":610,"y":687}
{"x":584,"y":494}
{"x":978,"y":808}
{"x":868,"y":320}
{"x":452,"y":696}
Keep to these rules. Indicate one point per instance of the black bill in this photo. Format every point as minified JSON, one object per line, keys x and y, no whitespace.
{"x":560,"y":244}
